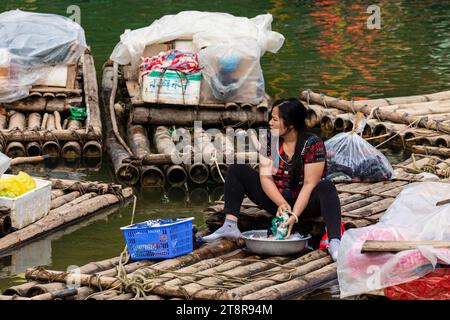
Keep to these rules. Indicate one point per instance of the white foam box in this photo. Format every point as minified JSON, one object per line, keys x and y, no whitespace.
{"x":58,"y":76}
{"x":29,"y":207}
{"x":171,"y":88}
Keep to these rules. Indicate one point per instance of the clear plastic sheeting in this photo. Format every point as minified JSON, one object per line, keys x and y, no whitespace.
{"x":413,"y":216}
{"x":29,"y":42}
{"x":232,"y":72}
{"x":187,"y":24}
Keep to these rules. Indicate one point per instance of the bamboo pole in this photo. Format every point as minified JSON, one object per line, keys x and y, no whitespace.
{"x":57,"y":120}
{"x":152,"y":176}
{"x":138,"y":139}
{"x":397,"y":246}
{"x":17,"y":124}
{"x":343,"y":122}
{"x":39,"y":289}
{"x":444,"y":95}
{"x":92,"y":150}
{"x":71,"y":150}
{"x":327,"y":123}
{"x":20,"y":290}
{"x":445,"y":152}
{"x":62,"y":200}
{"x":186,"y":117}
{"x":125,"y":173}
{"x":44,"y":121}
{"x":86,"y":186}
{"x":34,"y":123}
{"x":41,"y":105}
{"x":175,"y":174}
{"x":198,"y":173}
{"x":163,"y":141}
{"x":22,"y":160}
{"x":57,"y":193}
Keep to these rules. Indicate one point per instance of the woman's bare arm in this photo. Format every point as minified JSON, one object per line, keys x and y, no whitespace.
{"x":312,"y":175}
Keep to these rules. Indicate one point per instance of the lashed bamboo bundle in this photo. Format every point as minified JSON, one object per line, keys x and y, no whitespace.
{"x":68,"y":204}
{"x":51,"y":104}
{"x":105,"y":282}
{"x":398,"y":117}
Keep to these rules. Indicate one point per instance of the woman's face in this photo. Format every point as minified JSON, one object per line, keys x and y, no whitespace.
{"x":276,"y":124}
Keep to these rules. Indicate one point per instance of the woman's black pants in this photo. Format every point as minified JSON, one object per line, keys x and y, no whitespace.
{"x":242,"y":180}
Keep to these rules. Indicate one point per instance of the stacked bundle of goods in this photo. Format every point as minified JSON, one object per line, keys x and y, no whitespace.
{"x":48,"y":88}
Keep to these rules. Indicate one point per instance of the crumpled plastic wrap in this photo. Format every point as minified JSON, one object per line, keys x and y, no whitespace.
{"x":32,"y":41}
{"x":413,"y":216}
{"x":213,"y":26}
{"x":232,"y":72}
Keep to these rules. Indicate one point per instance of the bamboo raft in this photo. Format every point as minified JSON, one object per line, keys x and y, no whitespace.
{"x":422,"y":120}
{"x":39,"y":124}
{"x":139,"y":138}
{"x":71,"y":201}
{"x":220,"y":270}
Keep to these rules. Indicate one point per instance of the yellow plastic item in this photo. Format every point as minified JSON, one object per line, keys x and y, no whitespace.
{"x":15,"y":186}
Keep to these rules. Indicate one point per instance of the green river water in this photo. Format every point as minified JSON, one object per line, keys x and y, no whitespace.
{"x":328,"y":48}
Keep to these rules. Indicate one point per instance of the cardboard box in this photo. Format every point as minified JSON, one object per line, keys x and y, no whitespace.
{"x":156,"y":48}
{"x":168,"y":88}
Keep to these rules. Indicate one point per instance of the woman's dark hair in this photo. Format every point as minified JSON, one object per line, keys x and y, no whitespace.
{"x":293,"y":113}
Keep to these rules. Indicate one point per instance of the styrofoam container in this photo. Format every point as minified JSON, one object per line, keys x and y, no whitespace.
{"x":55,"y":76}
{"x":171,"y":88}
{"x":30,"y":206}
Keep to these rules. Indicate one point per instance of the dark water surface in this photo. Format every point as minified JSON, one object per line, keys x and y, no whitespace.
{"x":328,"y":48}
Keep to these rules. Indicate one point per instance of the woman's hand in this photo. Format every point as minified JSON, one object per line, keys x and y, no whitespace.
{"x":283,"y":208}
{"x":290,"y":223}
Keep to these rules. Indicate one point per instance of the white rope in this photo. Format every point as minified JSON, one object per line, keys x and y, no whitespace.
{"x":214,"y":159}
{"x":409,"y":126}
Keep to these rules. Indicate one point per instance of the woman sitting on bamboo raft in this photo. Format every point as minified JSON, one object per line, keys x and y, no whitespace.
{"x":292,"y":179}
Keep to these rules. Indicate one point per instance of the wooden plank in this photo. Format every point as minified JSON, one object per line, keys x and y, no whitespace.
{"x":397,"y":246}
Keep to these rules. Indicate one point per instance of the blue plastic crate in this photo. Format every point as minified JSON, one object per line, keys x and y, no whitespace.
{"x":156,"y":239}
